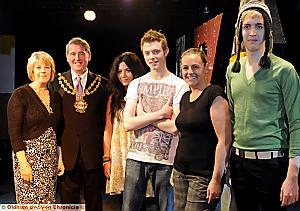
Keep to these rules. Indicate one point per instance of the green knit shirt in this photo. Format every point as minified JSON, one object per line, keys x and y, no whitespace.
{"x":265,"y":110}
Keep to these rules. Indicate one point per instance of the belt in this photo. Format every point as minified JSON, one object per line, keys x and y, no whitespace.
{"x":258,"y":154}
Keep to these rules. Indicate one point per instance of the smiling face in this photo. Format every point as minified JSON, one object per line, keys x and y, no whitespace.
{"x":41,"y":67}
{"x":42,"y":73}
{"x":193,"y":70}
{"x":78,"y":58}
{"x":125,"y":75}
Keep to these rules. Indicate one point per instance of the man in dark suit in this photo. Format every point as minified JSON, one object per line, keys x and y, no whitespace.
{"x":84,"y":104}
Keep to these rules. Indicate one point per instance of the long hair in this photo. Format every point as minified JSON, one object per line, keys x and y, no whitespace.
{"x":118,"y":91}
{"x":253,"y":8}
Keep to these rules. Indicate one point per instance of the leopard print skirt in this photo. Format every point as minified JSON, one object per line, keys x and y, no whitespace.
{"x":41,"y":154}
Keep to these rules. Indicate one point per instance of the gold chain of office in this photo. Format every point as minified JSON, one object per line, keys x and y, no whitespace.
{"x":70,"y":90}
{"x":80,"y":104}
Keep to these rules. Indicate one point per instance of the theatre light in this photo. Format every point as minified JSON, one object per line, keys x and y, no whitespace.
{"x":89,"y":15}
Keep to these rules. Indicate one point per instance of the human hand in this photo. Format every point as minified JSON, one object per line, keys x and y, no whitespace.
{"x":213,"y":190}
{"x":289,"y":191}
{"x":167,"y":109}
{"x":171,"y":178}
{"x":139,"y":107}
{"x":26,"y":172}
{"x":60,"y":167}
{"x":106,"y":167}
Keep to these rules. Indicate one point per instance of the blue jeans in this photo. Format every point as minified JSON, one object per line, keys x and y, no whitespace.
{"x":170,"y":206}
{"x":136,"y":175}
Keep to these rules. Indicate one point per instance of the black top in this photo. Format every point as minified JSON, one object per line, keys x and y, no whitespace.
{"x":197,"y":141}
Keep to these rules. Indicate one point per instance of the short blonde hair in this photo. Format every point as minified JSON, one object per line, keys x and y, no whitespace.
{"x":43,"y":58}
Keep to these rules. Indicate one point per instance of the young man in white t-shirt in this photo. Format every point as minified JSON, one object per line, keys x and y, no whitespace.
{"x":152,"y":104}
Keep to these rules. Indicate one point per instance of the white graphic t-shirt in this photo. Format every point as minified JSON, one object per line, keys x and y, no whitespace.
{"x":150,"y":144}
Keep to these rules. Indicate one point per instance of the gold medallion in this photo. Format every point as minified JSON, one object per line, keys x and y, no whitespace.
{"x":80,"y":105}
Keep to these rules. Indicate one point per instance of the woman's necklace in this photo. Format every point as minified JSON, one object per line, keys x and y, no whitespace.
{"x":46,"y":103}
{"x":44,"y":95}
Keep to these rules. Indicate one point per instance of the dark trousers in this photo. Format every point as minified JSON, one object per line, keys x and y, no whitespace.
{"x":294,"y":207}
{"x":257,"y":183}
{"x":91,"y":180}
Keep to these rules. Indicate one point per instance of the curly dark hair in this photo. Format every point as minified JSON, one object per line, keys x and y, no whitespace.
{"x":117,"y":90}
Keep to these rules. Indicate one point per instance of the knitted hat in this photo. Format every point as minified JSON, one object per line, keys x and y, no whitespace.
{"x":262,"y":8}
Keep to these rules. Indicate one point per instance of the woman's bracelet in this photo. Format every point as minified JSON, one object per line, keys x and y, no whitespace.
{"x":106,"y":162}
{"x":23,"y":166}
{"x":106,"y":158}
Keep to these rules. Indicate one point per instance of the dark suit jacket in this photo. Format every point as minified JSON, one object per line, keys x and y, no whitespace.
{"x":83,"y":131}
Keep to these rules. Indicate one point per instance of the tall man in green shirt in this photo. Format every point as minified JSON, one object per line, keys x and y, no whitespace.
{"x":264,"y":97}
